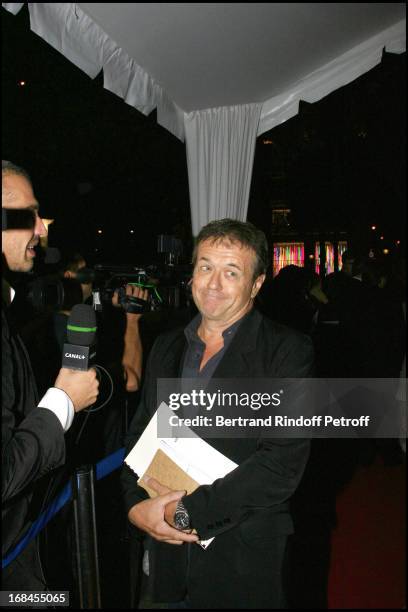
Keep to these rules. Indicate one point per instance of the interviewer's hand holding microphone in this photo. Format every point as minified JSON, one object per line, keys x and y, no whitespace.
{"x":81,"y":387}
{"x":76,"y":377}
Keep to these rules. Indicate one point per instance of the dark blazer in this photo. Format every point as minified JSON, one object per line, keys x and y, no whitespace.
{"x":247,"y":510}
{"x":32,"y":445}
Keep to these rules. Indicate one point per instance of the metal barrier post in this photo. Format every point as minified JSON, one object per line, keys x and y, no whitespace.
{"x":86,"y":544}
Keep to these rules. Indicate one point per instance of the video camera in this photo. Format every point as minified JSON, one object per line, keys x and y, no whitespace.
{"x":168,"y":286}
{"x":107,"y":278}
{"x":47,"y":293}
{"x":168,"y":283}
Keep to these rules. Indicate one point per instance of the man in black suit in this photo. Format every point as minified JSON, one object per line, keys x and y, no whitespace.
{"x":32,"y":432}
{"x":247,"y":510}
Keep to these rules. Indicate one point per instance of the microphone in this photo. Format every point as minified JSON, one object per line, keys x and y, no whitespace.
{"x":79,"y":352}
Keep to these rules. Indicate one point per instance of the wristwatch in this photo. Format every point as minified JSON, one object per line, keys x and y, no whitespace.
{"x":181,"y":517}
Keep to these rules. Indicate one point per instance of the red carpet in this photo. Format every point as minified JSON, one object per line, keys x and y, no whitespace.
{"x":368,"y":566}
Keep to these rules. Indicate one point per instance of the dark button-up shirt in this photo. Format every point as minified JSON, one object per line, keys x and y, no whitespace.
{"x":196,"y":348}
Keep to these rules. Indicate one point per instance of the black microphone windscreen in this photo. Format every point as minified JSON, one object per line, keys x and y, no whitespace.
{"x":81,"y":327}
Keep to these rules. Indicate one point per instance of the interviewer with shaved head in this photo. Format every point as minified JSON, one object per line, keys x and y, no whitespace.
{"x":32,"y":431}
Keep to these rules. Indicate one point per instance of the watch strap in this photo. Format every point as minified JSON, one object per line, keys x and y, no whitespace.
{"x":181,"y":516}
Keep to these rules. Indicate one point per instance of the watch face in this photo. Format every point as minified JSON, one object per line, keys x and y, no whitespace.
{"x":181,"y":519}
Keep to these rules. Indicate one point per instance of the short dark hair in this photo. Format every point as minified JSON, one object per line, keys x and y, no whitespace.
{"x":243,"y":232}
{"x":7,"y":167}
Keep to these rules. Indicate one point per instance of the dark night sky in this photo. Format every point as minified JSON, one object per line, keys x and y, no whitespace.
{"x":97,"y":162}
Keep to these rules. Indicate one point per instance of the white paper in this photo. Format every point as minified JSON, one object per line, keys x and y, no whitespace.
{"x":195,"y":456}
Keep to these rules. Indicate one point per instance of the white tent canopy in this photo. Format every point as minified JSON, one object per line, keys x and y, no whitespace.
{"x":221,"y":74}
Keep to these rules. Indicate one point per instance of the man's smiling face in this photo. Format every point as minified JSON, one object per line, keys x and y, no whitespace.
{"x":223,"y":281}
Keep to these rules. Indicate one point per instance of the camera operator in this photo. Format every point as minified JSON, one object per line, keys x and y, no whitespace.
{"x":132,"y":351}
{"x":119,"y":352}
{"x":74,"y":264}
{"x":97,"y":434}
{"x":32,"y":431}
{"x":119,"y":347}
{"x":132,"y":356}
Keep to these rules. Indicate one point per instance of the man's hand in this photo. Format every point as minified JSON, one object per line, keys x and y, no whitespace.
{"x":132,"y":291}
{"x":149,"y":515}
{"x":133,"y":350}
{"x":81,"y":387}
{"x":171,"y":506}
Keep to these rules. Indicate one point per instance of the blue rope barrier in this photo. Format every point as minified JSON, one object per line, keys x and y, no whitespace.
{"x":106,"y":466}
{"x":109,"y":464}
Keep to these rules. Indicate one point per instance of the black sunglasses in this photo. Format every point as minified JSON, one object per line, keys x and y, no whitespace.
{"x":17,"y":218}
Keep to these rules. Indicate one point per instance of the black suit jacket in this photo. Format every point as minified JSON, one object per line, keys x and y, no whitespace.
{"x":248,"y":509}
{"x":32,"y":444}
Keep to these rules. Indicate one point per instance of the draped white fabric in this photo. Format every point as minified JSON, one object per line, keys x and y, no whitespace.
{"x":69,"y":30}
{"x":337,"y":73}
{"x":13,"y":7}
{"x":72,"y":32}
{"x":65,"y":27}
{"x":220,"y":153}
{"x":220,"y":141}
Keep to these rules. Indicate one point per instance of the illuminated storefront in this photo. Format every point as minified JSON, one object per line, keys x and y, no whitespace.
{"x":287,"y":253}
{"x":293,"y":253}
{"x":341,"y":248}
{"x":329,"y":267}
{"x":320,"y":250}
